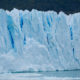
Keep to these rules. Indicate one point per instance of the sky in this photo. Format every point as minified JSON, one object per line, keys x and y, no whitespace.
{"x":68,"y":6}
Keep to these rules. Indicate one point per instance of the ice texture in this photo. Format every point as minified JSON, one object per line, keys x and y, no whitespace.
{"x":39,"y":41}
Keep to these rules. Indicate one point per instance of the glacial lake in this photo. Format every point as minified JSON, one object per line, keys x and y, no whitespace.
{"x":55,"y":75}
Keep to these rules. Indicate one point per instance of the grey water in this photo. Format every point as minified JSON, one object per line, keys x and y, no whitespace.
{"x":54,"y":75}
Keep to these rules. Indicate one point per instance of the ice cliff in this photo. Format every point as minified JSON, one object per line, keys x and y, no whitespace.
{"x":39,"y":41}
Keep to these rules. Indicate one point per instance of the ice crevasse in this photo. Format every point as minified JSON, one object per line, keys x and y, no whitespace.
{"x":39,"y":41}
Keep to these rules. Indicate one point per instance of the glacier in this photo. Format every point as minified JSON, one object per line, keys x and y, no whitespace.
{"x":39,"y":41}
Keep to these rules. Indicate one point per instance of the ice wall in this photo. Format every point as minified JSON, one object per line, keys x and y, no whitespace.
{"x":39,"y":41}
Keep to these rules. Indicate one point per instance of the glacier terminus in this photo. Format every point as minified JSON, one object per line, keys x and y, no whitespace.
{"x":39,"y":41}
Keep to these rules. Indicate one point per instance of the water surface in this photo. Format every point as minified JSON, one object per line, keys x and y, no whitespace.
{"x":56,"y":75}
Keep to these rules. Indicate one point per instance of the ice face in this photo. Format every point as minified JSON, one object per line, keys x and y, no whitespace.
{"x":39,"y":41}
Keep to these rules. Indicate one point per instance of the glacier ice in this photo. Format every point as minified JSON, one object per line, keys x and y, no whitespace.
{"x":39,"y":41}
